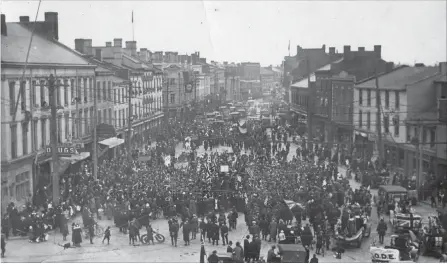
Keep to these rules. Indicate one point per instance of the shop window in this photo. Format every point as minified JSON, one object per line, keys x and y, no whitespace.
{"x":22,"y":186}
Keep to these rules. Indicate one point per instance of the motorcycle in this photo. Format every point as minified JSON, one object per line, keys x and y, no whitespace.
{"x":157,"y":236}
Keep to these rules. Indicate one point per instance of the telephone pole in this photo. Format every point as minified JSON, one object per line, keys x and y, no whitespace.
{"x":379,"y":121}
{"x":53,"y":139}
{"x":129,"y":123}
{"x":95,"y":137}
{"x":310,"y":107}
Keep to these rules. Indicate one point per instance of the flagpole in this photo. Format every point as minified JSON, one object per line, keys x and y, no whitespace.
{"x":133,"y":29}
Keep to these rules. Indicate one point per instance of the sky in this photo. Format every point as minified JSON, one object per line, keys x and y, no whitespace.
{"x":255,"y":31}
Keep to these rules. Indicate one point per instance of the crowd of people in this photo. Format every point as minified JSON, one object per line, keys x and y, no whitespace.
{"x":258,"y":180}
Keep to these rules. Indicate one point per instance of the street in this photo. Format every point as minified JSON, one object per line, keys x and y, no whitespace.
{"x":119,"y":250}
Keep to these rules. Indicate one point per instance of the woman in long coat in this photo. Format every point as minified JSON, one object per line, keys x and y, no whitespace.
{"x":64,"y":227}
{"x":76,"y":236}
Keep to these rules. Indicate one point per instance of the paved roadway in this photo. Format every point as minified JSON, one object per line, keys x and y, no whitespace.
{"x":20,"y":250}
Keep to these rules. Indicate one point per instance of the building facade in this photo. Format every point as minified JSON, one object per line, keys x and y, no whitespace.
{"x":267,"y":78}
{"x":408,"y":117}
{"x":26,"y":167}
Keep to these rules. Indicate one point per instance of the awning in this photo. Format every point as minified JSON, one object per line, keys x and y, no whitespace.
{"x":112,"y":142}
{"x":77,"y":157}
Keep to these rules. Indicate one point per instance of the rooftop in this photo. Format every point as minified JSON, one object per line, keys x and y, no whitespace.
{"x":265,"y":71}
{"x":400,"y":77}
{"x":43,"y":50}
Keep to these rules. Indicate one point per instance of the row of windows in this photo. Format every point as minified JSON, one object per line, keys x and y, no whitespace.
{"x":387,"y":98}
{"x":385,"y":122}
{"x":69,"y":89}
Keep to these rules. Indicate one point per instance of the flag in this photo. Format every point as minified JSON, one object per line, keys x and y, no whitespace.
{"x":132,"y":23}
{"x":292,"y":204}
{"x":288,"y":48}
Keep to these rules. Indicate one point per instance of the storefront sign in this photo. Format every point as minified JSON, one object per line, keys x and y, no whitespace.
{"x":63,"y":150}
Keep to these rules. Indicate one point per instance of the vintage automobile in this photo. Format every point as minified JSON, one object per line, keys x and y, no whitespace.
{"x":404,"y":222}
{"x":357,"y":228}
{"x":291,"y":253}
{"x":432,"y":238}
{"x":389,"y":195}
{"x":405,"y":245}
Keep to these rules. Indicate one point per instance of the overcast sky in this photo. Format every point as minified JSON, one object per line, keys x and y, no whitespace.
{"x":257,"y":31}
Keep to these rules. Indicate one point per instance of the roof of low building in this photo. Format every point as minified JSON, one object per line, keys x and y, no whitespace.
{"x":265,"y":71}
{"x":43,"y":50}
{"x":400,"y":77}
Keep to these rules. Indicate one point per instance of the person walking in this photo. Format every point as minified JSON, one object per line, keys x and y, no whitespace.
{"x":150,"y":234}
{"x":91,"y":232}
{"x":381,"y":230}
{"x":224,"y":234}
{"x":107,"y":235}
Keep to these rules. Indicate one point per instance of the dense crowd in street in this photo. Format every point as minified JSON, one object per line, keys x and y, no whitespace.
{"x":195,"y":198}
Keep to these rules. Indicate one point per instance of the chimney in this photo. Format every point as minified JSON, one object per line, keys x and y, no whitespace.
{"x":52,"y":24}
{"x":98,"y":54}
{"x":79,"y":45}
{"x":361,"y":49}
{"x":24,"y":19}
{"x":378,"y":50}
{"x":132,"y":46}
{"x":88,"y":50}
{"x":324,"y":47}
{"x":331,"y":50}
{"x":4,"y":29}
{"x":389,"y":66}
{"x":108,"y":44}
{"x":118,"y":42}
{"x":346,"y":49}
{"x":443,"y":67}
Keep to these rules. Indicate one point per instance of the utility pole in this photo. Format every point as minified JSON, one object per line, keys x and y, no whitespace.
{"x":310,"y":107}
{"x":129,"y":122}
{"x":420,"y":151}
{"x":379,"y":121}
{"x":95,"y":137}
{"x":53,"y":138}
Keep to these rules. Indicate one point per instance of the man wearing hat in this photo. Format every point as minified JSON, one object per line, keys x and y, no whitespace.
{"x":213,"y":258}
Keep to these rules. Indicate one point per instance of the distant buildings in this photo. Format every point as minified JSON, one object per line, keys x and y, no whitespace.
{"x":409,"y":117}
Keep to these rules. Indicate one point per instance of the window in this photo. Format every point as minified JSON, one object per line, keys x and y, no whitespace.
{"x":110,"y":90}
{"x":35,"y":139}
{"x":12,"y":97}
{"x":396,"y":100}
{"x":73,"y":89}
{"x":92,"y":116}
{"x":22,"y":186}
{"x":396,"y":125}
{"x":105,"y":116}
{"x":42,"y":93}
{"x":115,"y":96}
{"x":110,"y":116}
{"x":14,"y":141}
{"x":43,"y":123}
{"x":368,"y":120}
{"x":67,"y":126}
{"x":59,"y":129}
{"x":58,"y":92}
{"x":424,"y":135}
{"x":360,"y":118}
{"x":80,"y":124}
{"x":98,"y":90}
{"x":85,"y":90}
{"x":104,"y":90}
{"x":86,"y":121}
{"x":74,"y":127}
{"x":432,"y":137}
{"x":90,"y":82}
{"x":33,"y":93}
{"x":23,"y":96}
{"x":99,"y":117}
{"x":65,"y":92}
{"x":78,"y":88}
{"x":387,"y":99}
{"x":25,"y":138}
{"x":172,"y":98}
{"x":386,"y":124}
{"x":368,"y":97}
